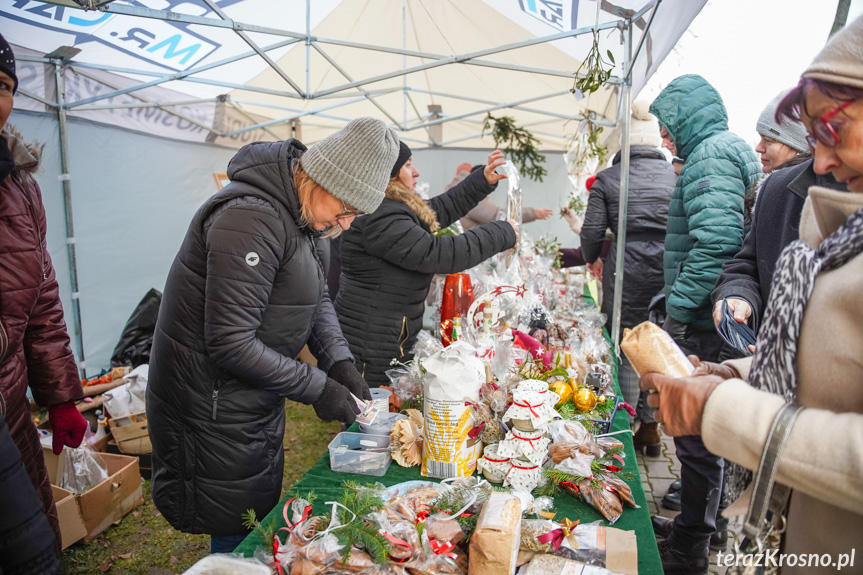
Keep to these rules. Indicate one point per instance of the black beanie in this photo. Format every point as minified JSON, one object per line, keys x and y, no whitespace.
{"x":7,"y":62}
{"x":404,"y":156}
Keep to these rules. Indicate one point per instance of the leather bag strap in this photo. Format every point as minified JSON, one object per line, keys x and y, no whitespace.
{"x":764,"y":495}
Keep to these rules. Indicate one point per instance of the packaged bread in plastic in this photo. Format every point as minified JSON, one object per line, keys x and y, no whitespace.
{"x":650,"y":349}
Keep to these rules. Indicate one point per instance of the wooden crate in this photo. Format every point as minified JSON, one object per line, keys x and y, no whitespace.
{"x":132,"y":438}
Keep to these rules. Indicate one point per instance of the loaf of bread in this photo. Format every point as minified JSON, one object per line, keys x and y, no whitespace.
{"x":650,"y":349}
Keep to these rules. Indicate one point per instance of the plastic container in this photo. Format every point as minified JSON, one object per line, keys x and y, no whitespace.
{"x":381,"y":399}
{"x":605,"y":425}
{"x":360,"y":453}
{"x":227,"y":565}
{"x":382,"y":424}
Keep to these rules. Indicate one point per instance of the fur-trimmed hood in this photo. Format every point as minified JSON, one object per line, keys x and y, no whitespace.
{"x":27,"y":155}
{"x":398,"y":192}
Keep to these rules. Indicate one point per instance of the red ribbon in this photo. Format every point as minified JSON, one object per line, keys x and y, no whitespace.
{"x":620,"y":459}
{"x":571,"y":485}
{"x":612,"y":468}
{"x":555,"y":537}
{"x":276,"y":561}
{"x":307,"y":512}
{"x":528,"y":439}
{"x":396,"y":541}
{"x":496,"y":460}
{"x":422,"y":516}
{"x":529,"y":406}
{"x":443,"y":549}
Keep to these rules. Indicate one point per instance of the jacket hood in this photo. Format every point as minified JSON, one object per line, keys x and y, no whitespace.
{"x":27,"y":155}
{"x":267,"y":166}
{"x":640,"y":152}
{"x":691,"y":110}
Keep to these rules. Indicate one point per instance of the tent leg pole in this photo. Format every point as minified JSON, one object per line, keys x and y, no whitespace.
{"x":67,"y":208}
{"x":624,"y":112}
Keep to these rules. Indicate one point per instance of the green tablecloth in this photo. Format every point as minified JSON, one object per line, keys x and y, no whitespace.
{"x":328,"y":485}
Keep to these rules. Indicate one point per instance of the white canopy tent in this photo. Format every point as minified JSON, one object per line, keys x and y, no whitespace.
{"x":232,"y":71}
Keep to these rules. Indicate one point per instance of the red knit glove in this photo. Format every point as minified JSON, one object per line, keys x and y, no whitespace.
{"x":68,"y":425}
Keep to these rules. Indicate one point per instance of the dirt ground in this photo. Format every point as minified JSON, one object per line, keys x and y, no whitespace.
{"x":144,"y":543}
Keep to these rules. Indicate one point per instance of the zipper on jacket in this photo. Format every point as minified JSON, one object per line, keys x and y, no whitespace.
{"x":4,"y":341}
{"x":407,"y":333}
{"x":38,"y":231}
{"x":215,"y":402}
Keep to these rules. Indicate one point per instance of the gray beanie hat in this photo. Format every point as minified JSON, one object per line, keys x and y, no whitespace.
{"x":789,"y":132}
{"x":354,"y":163}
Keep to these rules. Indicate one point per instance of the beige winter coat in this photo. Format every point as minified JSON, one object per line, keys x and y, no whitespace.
{"x":823,"y":459}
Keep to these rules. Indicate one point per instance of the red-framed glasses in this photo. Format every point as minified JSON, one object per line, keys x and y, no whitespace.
{"x":823,"y":131}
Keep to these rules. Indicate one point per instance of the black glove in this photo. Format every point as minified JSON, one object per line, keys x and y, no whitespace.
{"x":345,"y":372}
{"x":336,"y":403}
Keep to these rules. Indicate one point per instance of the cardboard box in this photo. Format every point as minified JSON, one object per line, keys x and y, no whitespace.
{"x":71,"y":523}
{"x":132,"y":437}
{"x":107,"y":502}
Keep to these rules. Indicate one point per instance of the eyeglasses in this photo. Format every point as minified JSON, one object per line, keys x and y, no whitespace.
{"x":823,"y":131}
{"x":348,"y":213}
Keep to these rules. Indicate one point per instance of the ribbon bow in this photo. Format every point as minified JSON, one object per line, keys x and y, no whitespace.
{"x":528,"y":439}
{"x":445,"y":549}
{"x":529,"y":406}
{"x":556,"y":536}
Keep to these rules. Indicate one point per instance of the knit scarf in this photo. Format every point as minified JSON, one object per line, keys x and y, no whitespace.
{"x":773,"y":367}
{"x":398,"y":192}
{"x":775,"y":361}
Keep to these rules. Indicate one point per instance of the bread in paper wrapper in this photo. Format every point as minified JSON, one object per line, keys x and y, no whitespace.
{"x":495,"y":543}
{"x":649,"y":348}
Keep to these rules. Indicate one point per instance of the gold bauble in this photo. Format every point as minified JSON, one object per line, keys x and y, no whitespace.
{"x":584,"y":399}
{"x":561,"y":388}
{"x":601,"y":399}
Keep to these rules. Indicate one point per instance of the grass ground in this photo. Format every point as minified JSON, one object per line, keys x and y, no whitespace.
{"x":144,"y":543}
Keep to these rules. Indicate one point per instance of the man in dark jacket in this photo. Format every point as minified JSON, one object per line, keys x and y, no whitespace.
{"x":705,"y":228}
{"x":746,"y":278}
{"x":34,"y":344}
{"x":389,"y":258}
{"x":245,"y":293}
{"x":651,"y":181}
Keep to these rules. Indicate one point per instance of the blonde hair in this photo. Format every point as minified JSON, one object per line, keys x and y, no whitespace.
{"x":307,"y":190}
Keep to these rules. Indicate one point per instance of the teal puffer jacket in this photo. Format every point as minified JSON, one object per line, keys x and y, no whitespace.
{"x":705,"y":217}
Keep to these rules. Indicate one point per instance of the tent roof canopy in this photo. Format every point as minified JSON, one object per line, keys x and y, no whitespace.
{"x":433,"y":69}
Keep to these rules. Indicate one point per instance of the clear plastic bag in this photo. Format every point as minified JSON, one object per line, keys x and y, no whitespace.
{"x":84,"y":469}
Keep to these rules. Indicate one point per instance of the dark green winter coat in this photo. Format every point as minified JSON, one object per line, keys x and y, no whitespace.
{"x":705,"y":218}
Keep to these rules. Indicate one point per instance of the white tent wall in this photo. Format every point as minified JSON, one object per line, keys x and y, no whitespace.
{"x":133,"y":198}
{"x":134,"y":195}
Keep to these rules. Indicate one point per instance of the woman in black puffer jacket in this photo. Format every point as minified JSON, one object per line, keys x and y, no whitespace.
{"x":245,"y":293}
{"x":390,"y":256}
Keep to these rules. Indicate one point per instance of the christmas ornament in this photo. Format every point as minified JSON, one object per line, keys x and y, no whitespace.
{"x":407,"y":439}
{"x":584,"y":399}
{"x":563,"y":389}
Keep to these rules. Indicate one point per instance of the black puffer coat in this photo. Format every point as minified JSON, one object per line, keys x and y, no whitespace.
{"x":651,"y":182}
{"x":244,"y":294}
{"x":388,"y":260}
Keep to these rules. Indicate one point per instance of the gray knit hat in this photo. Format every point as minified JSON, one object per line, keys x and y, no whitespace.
{"x":354,"y":163}
{"x":840,"y":60}
{"x":789,"y":132}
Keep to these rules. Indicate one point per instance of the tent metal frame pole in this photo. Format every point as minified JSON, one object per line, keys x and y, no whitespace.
{"x":292,"y":117}
{"x":147,"y":100}
{"x":463,"y":58}
{"x":66,"y":183}
{"x":278,"y":69}
{"x":643,"y":39}
{"x":174,"y":77}
{"x":625,"y":116}
{"x":363,"y":91}
{"x":308,"y":43}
